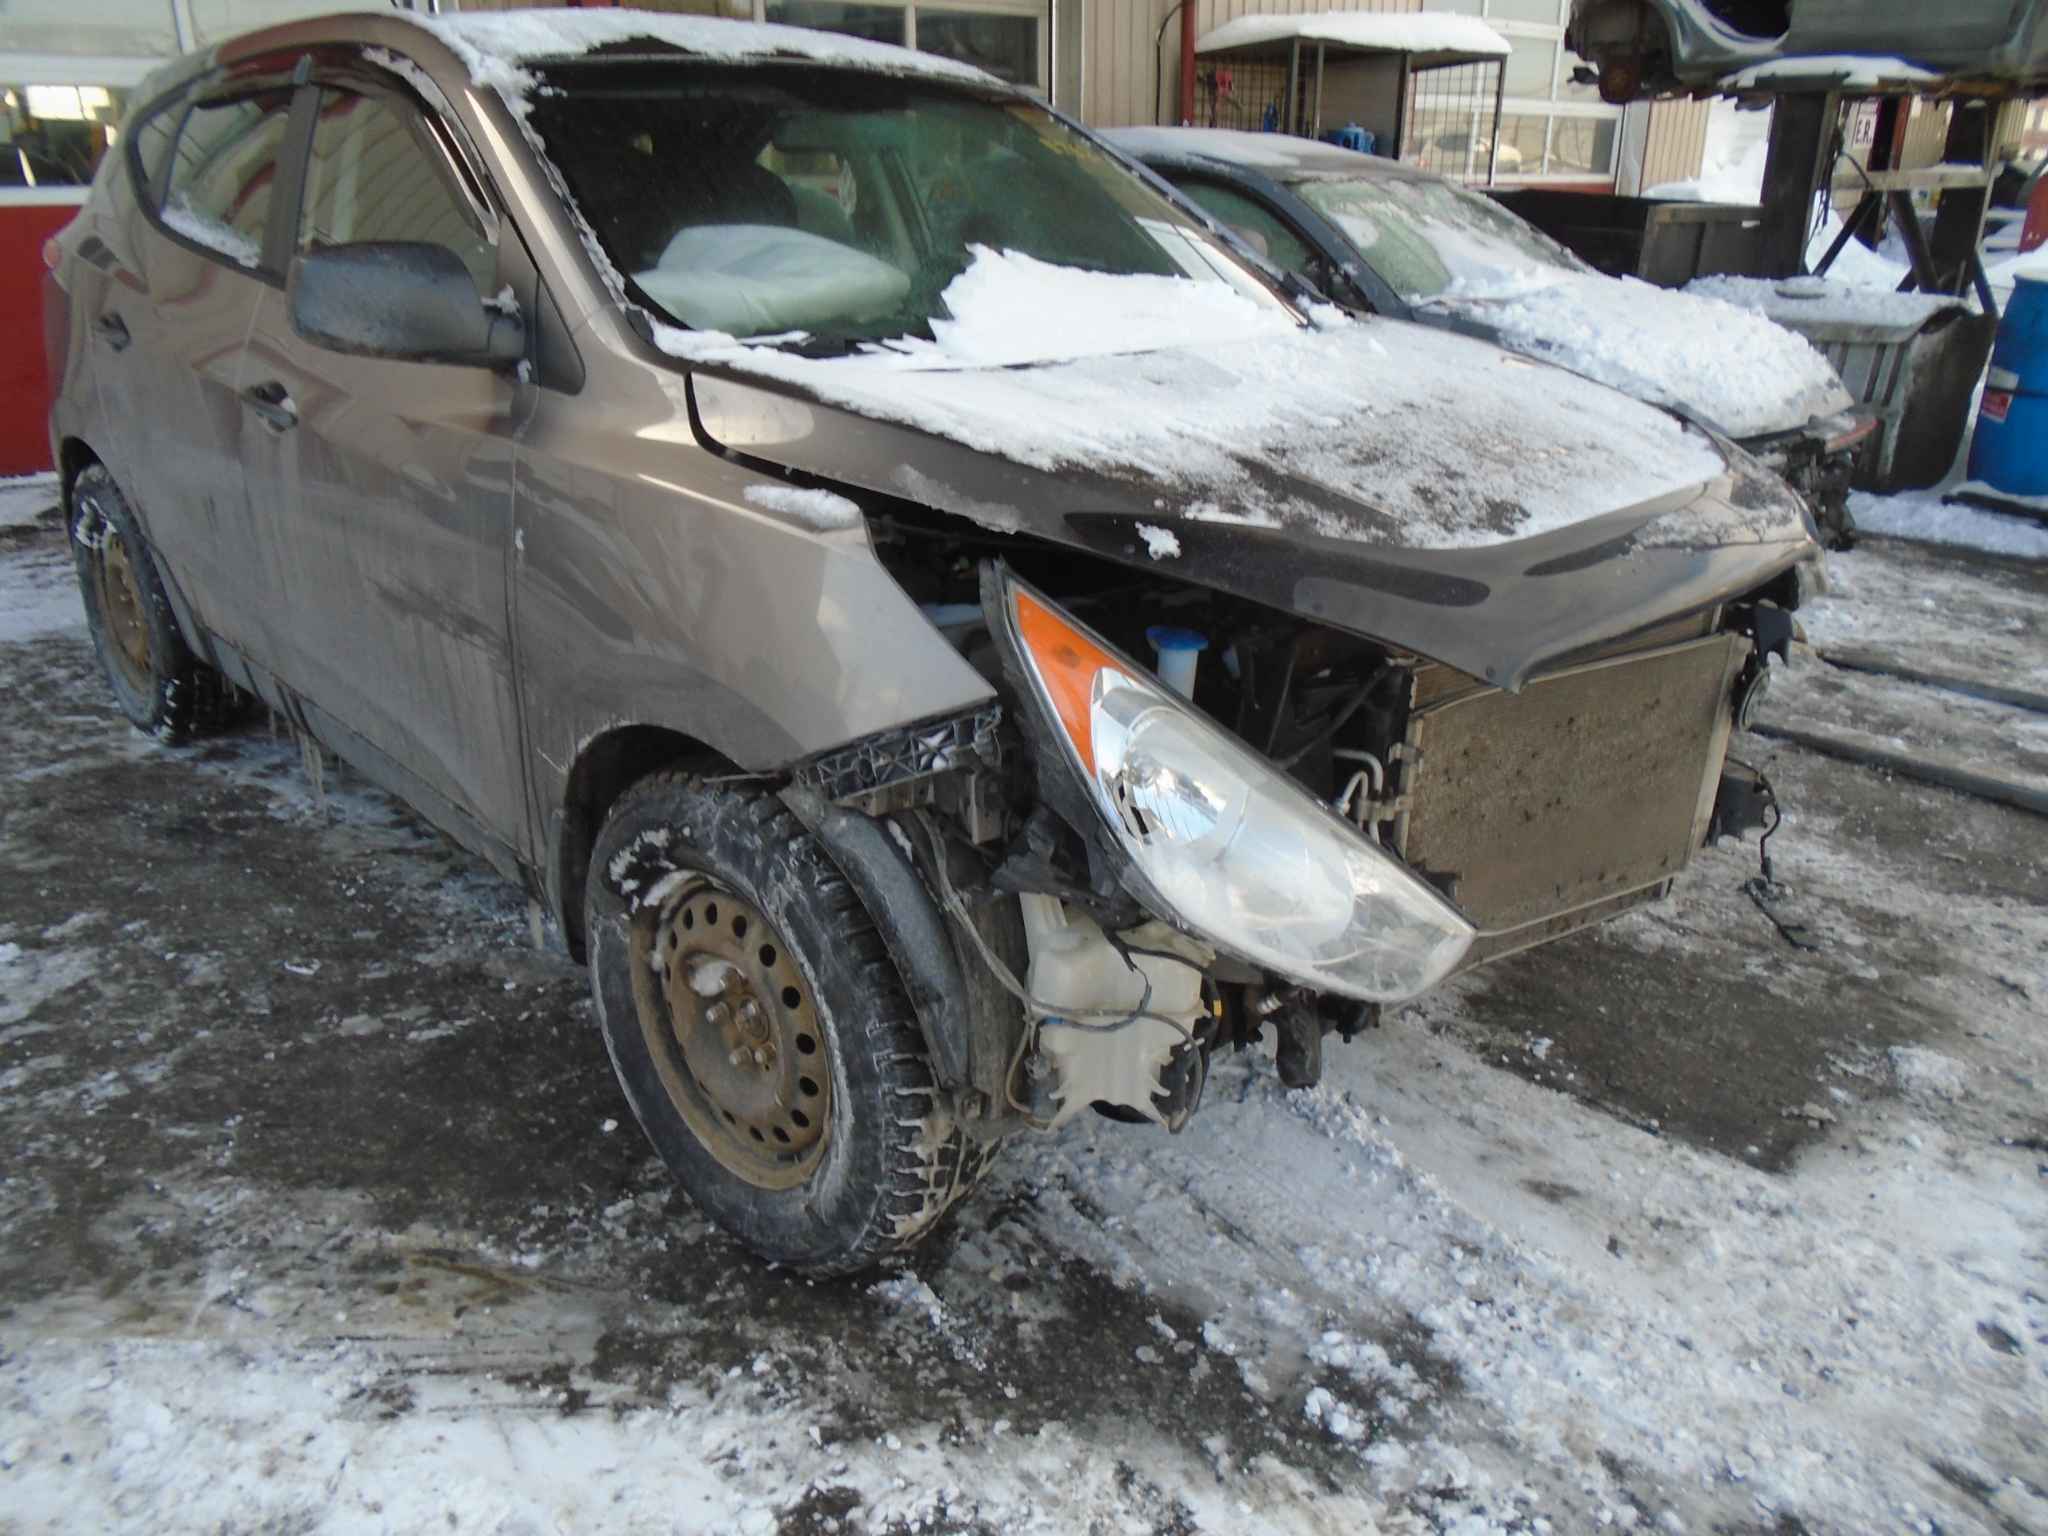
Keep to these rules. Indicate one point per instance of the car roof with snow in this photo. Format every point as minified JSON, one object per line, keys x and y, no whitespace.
{"x":1281,"y":156}
{"x":491,"y":42}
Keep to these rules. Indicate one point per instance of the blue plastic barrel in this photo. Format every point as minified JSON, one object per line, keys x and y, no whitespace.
{"x":1351,"y":136}
{"x":2010,"y":450}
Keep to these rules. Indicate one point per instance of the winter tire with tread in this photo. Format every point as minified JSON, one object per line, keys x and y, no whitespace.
{"x":761,"y":1032}
{"x":161,"y":686}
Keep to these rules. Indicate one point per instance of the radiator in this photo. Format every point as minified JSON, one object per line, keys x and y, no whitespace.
{"x":1543,"y":811}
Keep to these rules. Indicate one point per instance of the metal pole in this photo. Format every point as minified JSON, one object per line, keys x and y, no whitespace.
{"x":1187,"y":64}
{"x":1315,"y":129}
{"x":1287,"y":100}
{"x":1500,"y":89}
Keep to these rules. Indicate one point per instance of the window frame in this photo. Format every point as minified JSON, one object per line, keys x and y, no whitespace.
{"x":347,"y":68}
{"x":218,"y":89}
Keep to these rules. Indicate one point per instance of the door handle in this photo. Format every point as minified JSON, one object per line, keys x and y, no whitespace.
{"x":114,"y":329}
{"x":273,"y":402}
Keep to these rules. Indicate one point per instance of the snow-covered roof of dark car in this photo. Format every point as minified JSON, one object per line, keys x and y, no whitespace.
{"x":1279,"y":155}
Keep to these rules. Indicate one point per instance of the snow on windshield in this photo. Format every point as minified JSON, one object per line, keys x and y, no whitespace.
{"x":1007,"y":309}
{"x":1738,"y":370}
{"x":1375,"y":431}
{"x":843,"y":205}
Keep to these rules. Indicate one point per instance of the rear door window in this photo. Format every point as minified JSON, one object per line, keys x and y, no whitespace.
{"x":376,"y":172}
{"x":224,"y":174}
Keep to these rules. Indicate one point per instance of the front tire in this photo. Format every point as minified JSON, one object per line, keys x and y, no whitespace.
{"x":761,"y":1032}
{"x":161,"y":686}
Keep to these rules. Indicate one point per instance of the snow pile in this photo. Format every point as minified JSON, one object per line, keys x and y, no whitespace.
{"x":750,"y":279}
{"x":1824,"y":300}
{"x":496,"y":45}
{"x":1377,"y":431}
{"x":1923,"y":515}
{"x":1409,"y":33}
{"x":813,"y":508}
{"x":25,"y":498}
{"x":1732,"y":366}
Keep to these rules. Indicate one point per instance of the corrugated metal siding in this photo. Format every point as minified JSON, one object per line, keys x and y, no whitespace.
{"x":1121,"y":61}
{"x":1676,"y":143}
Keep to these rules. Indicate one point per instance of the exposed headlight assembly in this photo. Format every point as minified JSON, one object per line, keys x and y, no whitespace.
{"x":1220,"y":839}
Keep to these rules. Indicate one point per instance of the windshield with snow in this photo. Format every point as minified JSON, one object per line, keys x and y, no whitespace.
{"x":1429,"y":239}
{"x":834,"y":207}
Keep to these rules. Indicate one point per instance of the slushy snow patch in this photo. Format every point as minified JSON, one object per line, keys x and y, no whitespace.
{"x":1925,"y":1074}
{"x":812,"y":508}
{"x":25,"y":498}
{"x":1160,"y":543}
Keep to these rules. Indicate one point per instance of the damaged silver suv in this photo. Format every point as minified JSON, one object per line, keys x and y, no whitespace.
{"x":950,"y":637}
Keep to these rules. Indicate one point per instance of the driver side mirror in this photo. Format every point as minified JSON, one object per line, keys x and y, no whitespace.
{"x":406,"y":300}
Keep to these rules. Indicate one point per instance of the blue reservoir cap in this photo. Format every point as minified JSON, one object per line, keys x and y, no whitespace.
{"x":1168,"y":637}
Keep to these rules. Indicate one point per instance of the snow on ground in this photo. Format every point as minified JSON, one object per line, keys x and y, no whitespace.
{"x":1924,"y":515}
{"x":321,"y":1211}
{"x":1931,"y":607}
{"x":25,"y":498}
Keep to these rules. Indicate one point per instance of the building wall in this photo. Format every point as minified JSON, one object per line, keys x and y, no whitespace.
{"x":1677,"y":141}
{"x":1126,"y":58}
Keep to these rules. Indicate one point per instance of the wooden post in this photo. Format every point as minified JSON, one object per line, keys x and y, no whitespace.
{"x":1959,"y":221}
{"x":1802,"y":144}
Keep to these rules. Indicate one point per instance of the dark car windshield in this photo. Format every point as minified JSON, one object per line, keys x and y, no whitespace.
{"x":1426,"y":237}
{"x":779,"y":198}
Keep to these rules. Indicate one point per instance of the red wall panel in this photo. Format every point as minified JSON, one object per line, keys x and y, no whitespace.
{"x":24,"y":377}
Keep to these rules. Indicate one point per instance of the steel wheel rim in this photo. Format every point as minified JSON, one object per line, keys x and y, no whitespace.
{"x":122,"y":608}
{"x":733,"y":1030}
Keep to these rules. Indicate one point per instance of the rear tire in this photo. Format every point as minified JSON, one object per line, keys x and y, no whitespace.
{"x":761,"y":1032}
{"x":161,"y":686}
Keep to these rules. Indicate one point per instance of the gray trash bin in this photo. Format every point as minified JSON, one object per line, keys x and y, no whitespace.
{"x":1913,"y":358}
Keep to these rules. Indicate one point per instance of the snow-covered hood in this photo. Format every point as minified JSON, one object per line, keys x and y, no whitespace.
{"x":1376,"y":432}
{"x":1722,"y":364}
{"x":1396,"y":479}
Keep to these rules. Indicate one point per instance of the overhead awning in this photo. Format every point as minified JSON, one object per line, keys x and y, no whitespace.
{"x":1432,"y":41}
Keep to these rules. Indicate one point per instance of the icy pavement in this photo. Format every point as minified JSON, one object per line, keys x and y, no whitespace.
{"x":322,"y":1211}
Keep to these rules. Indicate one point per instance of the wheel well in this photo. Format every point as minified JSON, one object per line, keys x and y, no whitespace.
{"x":73,"y":458}
{"x":606,"y":768}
